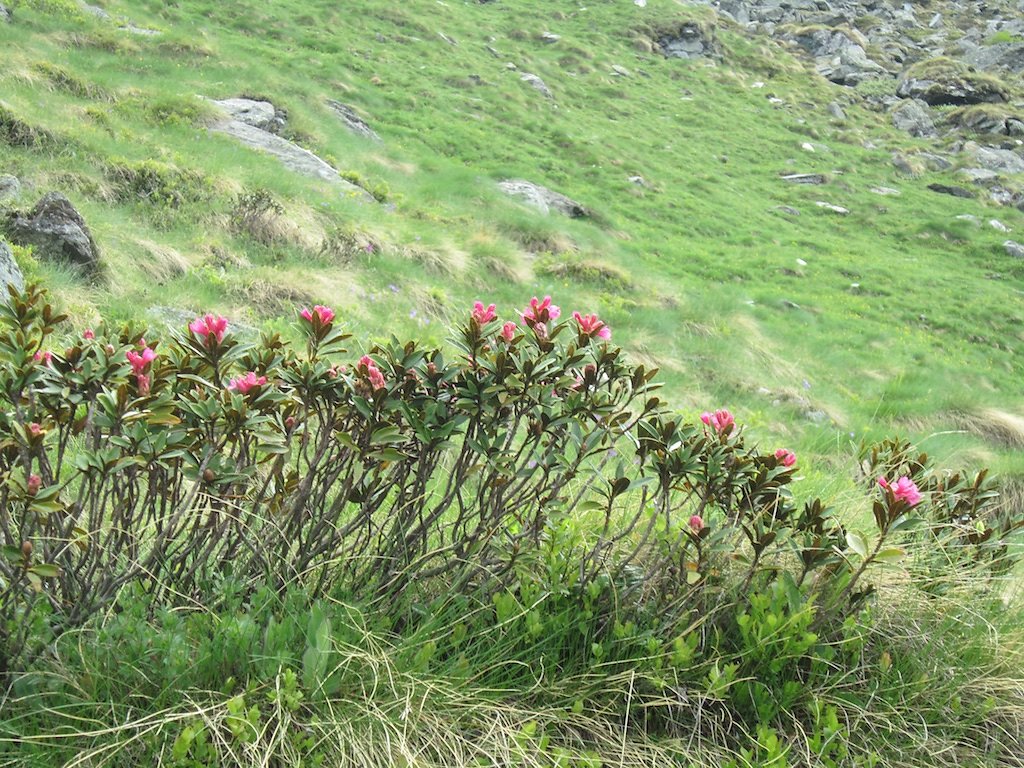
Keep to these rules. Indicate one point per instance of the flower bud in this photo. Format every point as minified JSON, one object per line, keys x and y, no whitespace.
{"x":35,"y":482}
{"x":26,"y":549}
{"x":209,"y":476}
{"x":289,"y":423}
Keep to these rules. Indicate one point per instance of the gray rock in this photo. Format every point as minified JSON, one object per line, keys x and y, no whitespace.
{"x":788,"y":210}
{"x":258,"y":114}
{"x":885,"y":191}
{"x":999,"y":160}
{"x":620,"y":71}
{"x":838,"y":57}
{"x":55,"y":230}
{"x":550,"y":38}
{"x":838,"y":209}
{"x":998,"y":226}
{"x":978,"y":175}
{"x":95,"y":10}
{"x":805,"y":178}
{"x":291,"y":155}
{"x":542,"y":198}
{"x":1014,"y":249}
{"x":954,"y":88}
{"x":687,"y":41}
{"x":1002,"y":56}
{"x":836,"y":111}
{"x":352,"y":120}
{"x":5,"y":14}
{"x":913,"y":117}
{"x":10,"y":273}
{"x":948,"y":189}
{"x":10,"y":187}
{"x":537,"y":84}
{"x":935,"y":162}
{"x":131,"y":29}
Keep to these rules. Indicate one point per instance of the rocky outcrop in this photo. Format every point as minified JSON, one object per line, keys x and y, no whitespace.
{"x":913,"y":117}
{"x":537,"y":84}
{"x":55,"y":230}
{"x":542,"y":198}
{"x":10,"y":273}
{"x":689,"y":40}
{"x":945,"y":81}
{"x":5,"y":14}
{"x":10,"y":187}
{"x":996,"y":119}
{"x":993,"y":159}
{"x":838,"y":56}
{"x":351,"y":120}
{"x":242,"y":123}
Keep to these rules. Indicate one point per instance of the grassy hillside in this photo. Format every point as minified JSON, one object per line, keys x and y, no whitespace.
{"x":896,"y":316}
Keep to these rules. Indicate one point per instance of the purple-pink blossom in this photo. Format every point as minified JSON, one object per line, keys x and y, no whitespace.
{"x":721,"y":420}
{"x":368,"y":367}
{"x":540,"y":312}
{"x":696,"y":523}
{"x":88,"y":333}
{"x":903,"y":490}
{"x":140,"y":361}
{"x":786,"y":456}
{"x":35,"y":482}
{"x":481,"y":314}
{"x":324,"y":314}
{"x":591,"y":326}
{"x":210,"y":328}
{"x":508,"y":330}
{"x":247,"y":382}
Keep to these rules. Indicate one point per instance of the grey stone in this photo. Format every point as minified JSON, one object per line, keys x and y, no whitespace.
{"x":258,"y":114}
{"x":913,"y":117}
{"x":1001,"y":56}
{"x":838,"y":209}
{"x":998,"y":226}
{"x":885,"y":191}
{"x":978,"y":175}
{"x":542,"y":198}
{"x":95,"y":10}
{"x":352,"y":120}
{"x":805,"y":178}
{"x":620,"y":71}
{"x":550,"y":38}
{"x":948,"y":189}
{"x":5,"y":14}
{"x":537,"y":84}
{"x":954,"y":88}
{"x":1014,"y":249}
{"x":55,"y":230}
{"x":10,"y":187}
{"x":10,"y":273}
{"x":935,"y":162}
{"x":1000,"y":160}
{"x":687,"y":41}
{"x":788,"y":210}
{"x":836,"y":111}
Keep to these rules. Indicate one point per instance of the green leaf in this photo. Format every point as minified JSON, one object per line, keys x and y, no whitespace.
{"x":856,"y":543}
{"x":891,"y":555}
{"x":45,"y":570}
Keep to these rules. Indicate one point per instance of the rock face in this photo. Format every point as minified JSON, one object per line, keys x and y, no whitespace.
{"x":998,"y":160}
{"x":913,"y":117}
{"x":837,"y":56}
{"x":291,"y":155}
{"x":949,"y":83}
{"x":542,"y":198}
{"x":537,"y":84}
{"x":258,"y":114}
{"x":1014,"y":249}
{"x":351,"y":120}
{"x":10,"y":273}
{"x":55,"y":230}
{"x":10,"y":187}
{"x":687,"y":41}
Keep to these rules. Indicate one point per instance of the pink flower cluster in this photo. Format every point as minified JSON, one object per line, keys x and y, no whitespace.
{"x":508,"y":330}
{"x":539,"y":314}
{"x":591,"y":326}
{"x":243,"y":384}
{"x":481,"y":314}
{"x":786,"y":456}
{"x":324,"y":315}
{"x":211,"y":329}
{"x":140,"y":362}
{"x":721,"y":420}
{"x":368,"y":368}
{"x":903,"y":490}
{"x":696,"y":524}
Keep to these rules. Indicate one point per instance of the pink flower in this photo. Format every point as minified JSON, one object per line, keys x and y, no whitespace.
{"x":142,"y":380}
{"x":540,"y":312}
{"x":35,"y":482}
{"x":508,"y":330}
{"x":483,"y":315}
{"x":324,"y":314}
{"x":903,"y":489}
{"x":209,"y":326}
{"x":591,"y":326}
{"x":244,"y":383}
{"x":696,"y":523}
{"x":786,"y":456}
{"x":34,"y":429}
{"x":140,"y":361}
{"x":372,"y":372}
{"x":43,"y":357}
{"x":88,"y":333}
{"x":721,"y":420}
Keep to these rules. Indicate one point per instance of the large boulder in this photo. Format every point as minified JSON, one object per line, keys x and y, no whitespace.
{"x":689,"y":40}
{"x":912,"y":116}
{"x":56,"y":231}
{"x":996,"y":119}
{"x":258,"y":114}
{"x":10,"y":187}
{"x":945,"y":81}
{"x":993,"y":159}
{"x":837,"y":55}
{"x":10,"y":273}
{"x":542,"y":198}
{"x":351,"y":120}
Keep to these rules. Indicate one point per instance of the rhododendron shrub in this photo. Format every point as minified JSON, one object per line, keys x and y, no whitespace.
{"x":399,"y":473}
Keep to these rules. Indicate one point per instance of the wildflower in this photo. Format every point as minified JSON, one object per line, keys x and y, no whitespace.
{"x":696,"y":523}
{"x":244,"y":383}
{"x":372,"y":372}
{"x":88,"y":334}
{"x":140,"y":361}
{"x":35,"y":482}
{"x":591,"y":326}
{"x":786,"y":456}
{"x":721,"y":420}
{"x":209,"y":326}
{"x":483,"y":315}
{"x":35,"y":429}
{"x":43,"y":357}
{"x":324,"y":314}
{"x":142,"y":380}
{"x":508,"y":330}
{"x":903,"y":490}
{"x":540,"y":312}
